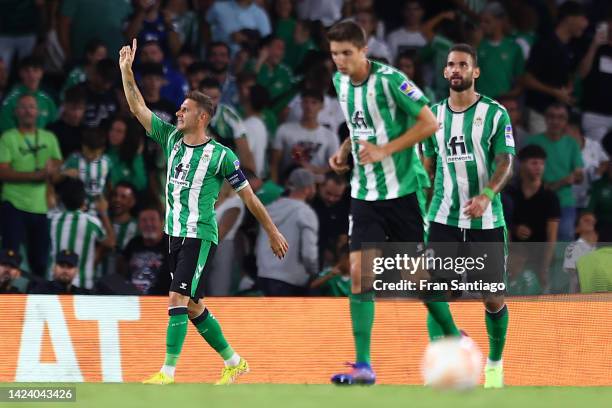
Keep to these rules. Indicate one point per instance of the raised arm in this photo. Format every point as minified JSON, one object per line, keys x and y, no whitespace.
{"x":132,"y":94}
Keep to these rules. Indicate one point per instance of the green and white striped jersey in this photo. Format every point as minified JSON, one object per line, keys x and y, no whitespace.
{"x":77,"y":231}
{"x":466,"y":144}
{"x":379,"y":110}
{"x":227,"y":124}
{"x":94,"y":174}
{"x":193,"y":180}
{"x":125,"y":232}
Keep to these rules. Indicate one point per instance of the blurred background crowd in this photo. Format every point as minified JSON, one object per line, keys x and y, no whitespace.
{"x":82,"y":187}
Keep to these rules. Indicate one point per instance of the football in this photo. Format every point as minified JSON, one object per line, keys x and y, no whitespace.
{"x":452,"y":363}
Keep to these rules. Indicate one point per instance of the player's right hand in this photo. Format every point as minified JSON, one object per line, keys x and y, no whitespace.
{"x":278,"y":244}
{"x":127,"y":55}
{"x":338,"y":162}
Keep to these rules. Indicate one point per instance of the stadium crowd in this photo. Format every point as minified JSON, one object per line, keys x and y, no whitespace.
{"x":82,"y":185}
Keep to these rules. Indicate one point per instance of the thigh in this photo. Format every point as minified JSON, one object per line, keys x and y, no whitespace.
{"x":366,"y":224}
{"x":403,"y":219}
{"x":38,"y":242}
{"x":443,"y":244}
{"x":491,"y":248}
{"x":191,"y":258}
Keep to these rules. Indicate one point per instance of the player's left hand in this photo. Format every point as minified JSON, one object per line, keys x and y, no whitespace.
{"x":370,"y":153}
{"x":476,"y":206}
{"x":278,"y":244}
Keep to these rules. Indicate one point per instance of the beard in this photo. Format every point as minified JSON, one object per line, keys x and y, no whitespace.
{"x":466,"y":83}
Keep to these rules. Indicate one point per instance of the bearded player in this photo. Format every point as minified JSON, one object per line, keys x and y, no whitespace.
{"x":471,"y":156}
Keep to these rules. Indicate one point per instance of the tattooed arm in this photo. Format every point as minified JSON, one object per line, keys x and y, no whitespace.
{"x":476,"y":206}
{"x":132,"y":94}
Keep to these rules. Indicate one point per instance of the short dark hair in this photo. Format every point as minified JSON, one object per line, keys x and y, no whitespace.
{"x":107,"y":70}
{"x":216,"y":44}
{"x":31,"y":62}
{"x":558,"y":105}
{"x":259,"y":97}
{"x":196,"y":67}
{"x":208,"y":83}
{"x":570,"y":9}
{"x":335,"y":177}
{"x":203,"y":101}
{"x":152,"y":69}
{"x":348,"y":31}
{"x":94,"y":138}
{"x":312,"y":93}
{"x":125,"y":184}
{"x":93,"y":45}
{"x":75,"y":95}
{"x":152,"y":207}
{"x":531,"y":152}
{"x":72,"y":193}
{"x":467,"y":49}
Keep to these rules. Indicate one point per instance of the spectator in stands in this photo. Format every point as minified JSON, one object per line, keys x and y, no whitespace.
{"x":377,"y":48}
{"x":596,"y":71}
{"x":298,"y":223}
{"x":64,"y":276}
{"x":565,"y":167}
{"x":90,"y":165}
{"x":408,"y":37}
{"x":94,"y":52}
{"x":600,"y":204}
{"x":125,"y":153}
{"x":227,"y":124}
{"x":176,"y":86}
{"x":228,"y":19}
{"x":29,"y":158}
{"x":90,"y":229}
{"x":305,"y":144}
{"x":4,"y":76}
{"x":301,"y":43}
{"x":331,"y":205}
{"x":500,"y":57}
{"x":151,"y":82}
{"x":411,"y":66}
{"x":283,"y":21}
{"x":69,"y":127}
{"x":594,"y":272}
{"x":271,"y":73}
{"x":9,"y":271}
{"x":513,"y":107}
{"x":335,"y":280}
{"x":149,"y":23}
{"x":196,"y":73}
{"x":185,"y":22}
{"x":548,"y":76}
{"x":586,"y":242}
{"x":184,"y":60}
{"x":218,"y":59}
{"x":19,"y":27}
{"x":327,"y":11}
{"x":255,"y":128}
{"x":123,"y":201}
{"x":595,"y":162}
{"x":536,"y":211}
{"x":30,"y":74}
{"x":144,"y":261}
{"x":81,"y":21}
{"x":101,"y":100}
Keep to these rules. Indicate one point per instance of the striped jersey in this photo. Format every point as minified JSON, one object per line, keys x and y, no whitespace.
{"x":227,"y":124}
{"x":380,"y":110}
{"x":77,"y":231}
{"x":93,"y":174}
{"x":466,"y":144}
{"x":193,"y":180}
{"x":125,"y":232}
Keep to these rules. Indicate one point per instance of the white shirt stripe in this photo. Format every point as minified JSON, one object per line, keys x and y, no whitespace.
{"x":390,"y":101}
{"x":480,"y":159}
{"x":444,"y":210}
{"x":169,"y":169}
{"x":372,"y":192}
{"x":461,"y":176}
{"x":196,"y":188}
{"x":176,"y":196}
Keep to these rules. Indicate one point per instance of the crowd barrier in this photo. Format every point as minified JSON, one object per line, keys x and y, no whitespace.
{"x":552,"y":340}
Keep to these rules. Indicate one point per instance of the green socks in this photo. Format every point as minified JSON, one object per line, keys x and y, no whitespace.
{"x":175,"y":334}
{"x":362,"y":317}
{"x":440,"y":320}
{"x":497,"y":326}
{"x":210,"y":329}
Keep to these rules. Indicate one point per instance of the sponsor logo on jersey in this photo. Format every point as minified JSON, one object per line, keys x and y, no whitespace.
{"x":508,"y":136}
{"x":457,"y":150}
{"x":411,"y":90}
{"x":179,"y":175}
{"x":360,"y":126}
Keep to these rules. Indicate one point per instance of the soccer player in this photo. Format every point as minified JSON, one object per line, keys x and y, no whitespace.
{"x":387,"y":116}
{"x":473,"y":150}
{"x":197,"y":166}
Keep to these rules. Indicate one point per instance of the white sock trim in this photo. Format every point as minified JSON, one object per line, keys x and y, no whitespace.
{"x":168,"y":370}
{"x":233,"y":361}
{"x":493,"y":364}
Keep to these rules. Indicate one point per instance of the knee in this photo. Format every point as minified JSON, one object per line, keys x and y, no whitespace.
{"x":195,"y":309}
{"x":494,"y":304}
{"x":176,"y":299}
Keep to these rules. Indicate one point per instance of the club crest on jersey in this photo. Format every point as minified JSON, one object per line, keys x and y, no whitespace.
{"x":477,"y":122}
{"x":457,"y":150}
{"x":508,"y":136}
{"x":411,"y":90}
{"x":179,"y":174}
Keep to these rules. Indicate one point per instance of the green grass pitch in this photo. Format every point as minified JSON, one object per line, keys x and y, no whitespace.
{"x":319,"y":396}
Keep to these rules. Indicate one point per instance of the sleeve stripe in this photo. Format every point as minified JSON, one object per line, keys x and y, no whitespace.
{"x":220,"y":161}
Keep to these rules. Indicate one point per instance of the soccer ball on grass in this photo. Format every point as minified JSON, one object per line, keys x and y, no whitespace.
{"x":452,"y":363}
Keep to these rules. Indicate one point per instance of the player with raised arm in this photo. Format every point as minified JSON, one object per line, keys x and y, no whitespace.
{"x":387,"y":116}
{"x":471,"y":155}
{"x":197,"y":166}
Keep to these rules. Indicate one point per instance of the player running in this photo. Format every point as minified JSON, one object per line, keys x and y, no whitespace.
{"x":474,"y":148}
{"x":387,"y":116}
{"x":197,"y":166}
